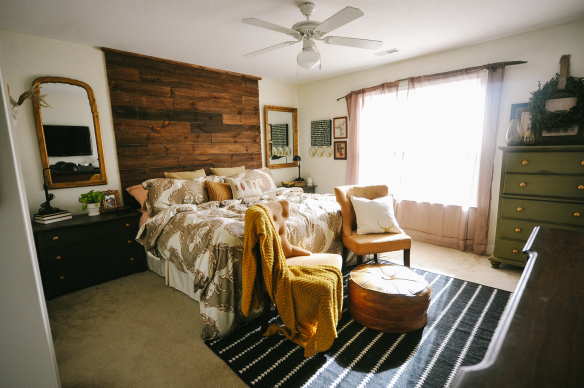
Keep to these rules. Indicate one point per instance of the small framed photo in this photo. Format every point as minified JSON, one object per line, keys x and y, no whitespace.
{"x":340,"y":150}
{"x":340,"y":127}
{"x":111,"y":201}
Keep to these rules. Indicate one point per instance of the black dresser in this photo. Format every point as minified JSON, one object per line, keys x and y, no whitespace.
{"x":84,"y":251}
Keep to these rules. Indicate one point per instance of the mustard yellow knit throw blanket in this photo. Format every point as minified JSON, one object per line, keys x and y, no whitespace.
{"x":309,"y":298}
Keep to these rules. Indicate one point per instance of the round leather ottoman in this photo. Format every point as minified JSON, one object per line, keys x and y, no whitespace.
{"x":388,"y":298}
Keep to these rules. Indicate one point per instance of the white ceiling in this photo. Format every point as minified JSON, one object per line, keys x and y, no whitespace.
{"x":210,"y":33}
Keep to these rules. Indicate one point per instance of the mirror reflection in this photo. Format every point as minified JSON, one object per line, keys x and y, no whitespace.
{"x":281,"y":134}
{"x":69,"y":134}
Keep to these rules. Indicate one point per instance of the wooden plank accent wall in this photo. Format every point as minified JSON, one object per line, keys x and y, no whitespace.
{"x":173,"y":116}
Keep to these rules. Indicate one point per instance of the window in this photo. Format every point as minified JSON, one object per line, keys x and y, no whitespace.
{"x":423,"y":139}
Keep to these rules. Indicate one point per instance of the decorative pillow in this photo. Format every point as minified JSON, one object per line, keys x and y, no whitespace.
{"x":245,"y":188}
{"x":227,"y":171}
{"x":165,"y":192}
{"x":263,"y":176}
{"x":140,"y":194}
{"x":186,"y":174}
{"x":375,"y":216}
{"x":218,"y":191}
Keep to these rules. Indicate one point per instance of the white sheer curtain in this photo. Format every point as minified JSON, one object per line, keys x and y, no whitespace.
{"x":426,"y":143}
{"x":432,"y":142}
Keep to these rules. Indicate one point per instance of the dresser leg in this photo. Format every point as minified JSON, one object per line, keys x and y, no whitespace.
{"x":495,"y":264}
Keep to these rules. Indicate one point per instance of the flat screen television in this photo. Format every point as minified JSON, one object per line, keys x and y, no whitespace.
{"x":67,"y":140}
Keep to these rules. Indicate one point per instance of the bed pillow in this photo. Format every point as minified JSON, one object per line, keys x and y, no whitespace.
{"x":140,"y":194}
{"x":227,"y":171}
{"x":264,"y":178}
{"x":375,"y":216}
{"x":245,"y":188}
{"x":218,"y":191}
{"x":165,"y":192}
{"x":186,"y":174}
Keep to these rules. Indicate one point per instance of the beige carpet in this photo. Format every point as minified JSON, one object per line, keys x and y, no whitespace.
{"x":137,"y":332}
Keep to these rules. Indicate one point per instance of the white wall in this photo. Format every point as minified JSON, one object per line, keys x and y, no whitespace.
{"x":27,"y":357}
{"x":23,"y":58}
{"x":541,"y":48}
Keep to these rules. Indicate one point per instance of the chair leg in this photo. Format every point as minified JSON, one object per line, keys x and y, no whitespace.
{"x":266,"y":313}
{"x":359,"y":259}
{"x":375,"y":258}
{"x":344,"y":255}
{"x":406,"y":257}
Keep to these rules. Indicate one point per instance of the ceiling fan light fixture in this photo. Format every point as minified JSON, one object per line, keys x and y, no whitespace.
{"x":309,"y":57}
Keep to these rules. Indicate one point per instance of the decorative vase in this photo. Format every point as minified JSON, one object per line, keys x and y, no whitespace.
{"x":513,"y":137}
{"x":529,"y":138}
{"x":93,"y":209}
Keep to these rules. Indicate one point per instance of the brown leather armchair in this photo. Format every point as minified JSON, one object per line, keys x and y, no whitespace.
{"x":363,"y":244}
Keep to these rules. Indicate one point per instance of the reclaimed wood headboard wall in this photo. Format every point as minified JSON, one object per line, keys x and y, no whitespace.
{"x":172,"y":116}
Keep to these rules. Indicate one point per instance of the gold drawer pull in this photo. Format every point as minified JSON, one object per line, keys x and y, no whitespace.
{"x":55,"y":238}
{"x":522,"y":184}
{"x":576,"y":214}
{"x":519,"y":209}
{"x":127,"y":225}
{"x":582,"y":163}
{"x":517,"y":230}
{"x":58,"y":257}
{"x":131,"y":259}
{"x":515,"y":251}
{"x":62,"y":278}
{"x":525,"y":162}
{"x":581,"y":187}
{"x":129,"y":241}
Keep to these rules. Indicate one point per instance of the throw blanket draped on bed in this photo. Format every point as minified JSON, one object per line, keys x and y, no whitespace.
{"x":309,"y":298}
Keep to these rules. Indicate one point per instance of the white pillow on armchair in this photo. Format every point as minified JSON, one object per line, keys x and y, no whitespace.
{"x":375,"y":216}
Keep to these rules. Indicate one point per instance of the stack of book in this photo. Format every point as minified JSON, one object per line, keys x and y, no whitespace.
{"x":53,"y":217}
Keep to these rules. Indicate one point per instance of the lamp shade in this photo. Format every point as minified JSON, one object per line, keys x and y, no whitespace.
{"x":309,"y":56}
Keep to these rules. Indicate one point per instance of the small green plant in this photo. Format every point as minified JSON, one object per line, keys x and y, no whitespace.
{"x":91,"y":197}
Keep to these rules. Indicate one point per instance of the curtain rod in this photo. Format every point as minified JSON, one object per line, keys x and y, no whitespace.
{"x":495,"y":65}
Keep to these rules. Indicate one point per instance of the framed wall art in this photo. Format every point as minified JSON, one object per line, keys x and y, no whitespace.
{"x":340,"y":127}
{"x":340,"y":149}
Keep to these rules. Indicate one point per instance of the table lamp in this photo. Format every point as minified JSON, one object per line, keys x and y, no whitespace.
{"x":298,"y":159}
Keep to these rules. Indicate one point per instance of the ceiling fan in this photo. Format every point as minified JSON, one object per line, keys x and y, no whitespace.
{"x":308,"y":31}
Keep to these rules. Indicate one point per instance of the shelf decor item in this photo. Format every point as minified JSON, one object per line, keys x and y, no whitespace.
{"x":557,"y":108}
{"x":91,"y":201}
{"x":46,"y":207}
{"x":513,"y":137}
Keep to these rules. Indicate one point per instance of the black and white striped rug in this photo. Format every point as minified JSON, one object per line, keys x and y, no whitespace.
{"x":462,"y":318}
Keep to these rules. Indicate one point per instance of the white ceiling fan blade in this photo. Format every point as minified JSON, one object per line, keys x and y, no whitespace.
{"x":271,"y":48}
{"x":353,"y":42}
{"x":344,"y":16}
{"x":270,"y":26}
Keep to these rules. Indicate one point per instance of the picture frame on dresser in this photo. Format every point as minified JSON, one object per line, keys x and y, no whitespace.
{"x":111,"y":202}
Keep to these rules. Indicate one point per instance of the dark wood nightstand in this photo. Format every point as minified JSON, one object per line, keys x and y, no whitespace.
{"x":84,"y":251}
{"x":307,"y":189}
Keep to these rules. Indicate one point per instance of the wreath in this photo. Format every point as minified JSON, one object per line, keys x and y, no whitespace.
{"x":543,"y":119}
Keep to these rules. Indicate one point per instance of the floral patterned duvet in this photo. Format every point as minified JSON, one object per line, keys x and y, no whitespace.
{"x":206,"y":242}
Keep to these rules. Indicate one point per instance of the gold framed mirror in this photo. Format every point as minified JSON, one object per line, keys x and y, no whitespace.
{"x":281,"y":136}
{"x":69,"y":134}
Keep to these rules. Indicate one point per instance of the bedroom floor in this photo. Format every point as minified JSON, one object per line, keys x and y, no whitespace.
{"x":136,"y":331}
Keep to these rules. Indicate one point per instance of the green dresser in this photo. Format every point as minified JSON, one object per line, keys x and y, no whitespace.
{"x":540,"y":186}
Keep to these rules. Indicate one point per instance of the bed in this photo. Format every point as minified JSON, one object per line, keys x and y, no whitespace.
{"x":197,"y":243}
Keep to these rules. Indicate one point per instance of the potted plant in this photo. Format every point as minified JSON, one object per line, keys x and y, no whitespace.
{"x":91,"y":201}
